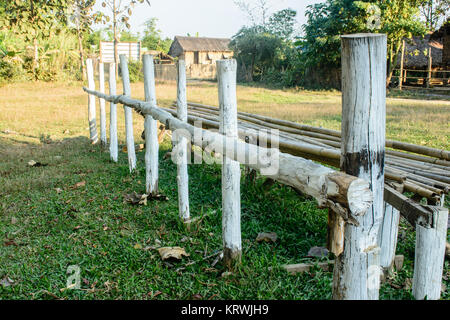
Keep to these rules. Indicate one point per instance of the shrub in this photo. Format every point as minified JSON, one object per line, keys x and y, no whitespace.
{"x":135,"y":71}
{"x":11,"y":70}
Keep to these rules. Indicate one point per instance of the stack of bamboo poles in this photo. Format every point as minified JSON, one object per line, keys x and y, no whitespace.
{"x":421,"y":170}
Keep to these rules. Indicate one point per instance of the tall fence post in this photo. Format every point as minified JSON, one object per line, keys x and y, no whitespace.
{"x":101,"y":72}
{"x":151,"y":128}
{"x":231,"y":172}
{"x":113,"y":143}
{"x":429,"y":256}
{"x":181,"y":148}
{"x":357,"y":269}
{"x":388,"y":236}
{"x":93,"y":135}
{"x":128,"y":113}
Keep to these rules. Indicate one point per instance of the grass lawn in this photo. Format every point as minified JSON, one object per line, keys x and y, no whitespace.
{"x":71,"y":212}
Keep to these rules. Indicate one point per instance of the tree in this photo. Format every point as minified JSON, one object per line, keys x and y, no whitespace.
{"x":118,"y":17}
{"x":282,"y":23}
{"x":33,"y":19}
{"x":152,"y":39}
{"x":327,"y":21}
{"x":435,"y":12}
{"x":82,"y":17}
{"x":256,"y":51}
{"x":257,"y":11}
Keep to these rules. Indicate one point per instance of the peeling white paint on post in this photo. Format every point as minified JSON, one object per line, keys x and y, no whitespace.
{"x":151,"y":128}
{"x":231,"y":172}
{"x":101,"y":73}
{"x":357,"y":270}
{"x":181,"y":151}
{"x":113,"y":143}
{"x":93,"y":135}
{"x":128,"y":113}
{"x":388,"y":236}
{"x":429,"y":256}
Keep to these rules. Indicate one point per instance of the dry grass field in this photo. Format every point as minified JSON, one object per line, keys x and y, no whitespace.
{"x":49,"y":221}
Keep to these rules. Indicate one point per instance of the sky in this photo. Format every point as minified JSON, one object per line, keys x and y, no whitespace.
{"x":210,"y":18}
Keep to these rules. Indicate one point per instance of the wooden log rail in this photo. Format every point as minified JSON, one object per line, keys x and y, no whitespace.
{"x":329,"y":187}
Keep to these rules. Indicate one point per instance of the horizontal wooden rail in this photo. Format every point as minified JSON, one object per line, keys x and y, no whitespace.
{"x":348,"y":195}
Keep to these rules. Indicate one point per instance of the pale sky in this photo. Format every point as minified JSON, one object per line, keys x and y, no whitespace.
{"x":210,"y":18}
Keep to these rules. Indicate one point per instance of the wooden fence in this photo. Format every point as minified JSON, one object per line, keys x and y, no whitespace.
{"x":354,"y":196}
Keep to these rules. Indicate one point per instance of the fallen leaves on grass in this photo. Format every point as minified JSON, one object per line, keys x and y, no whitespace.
{"x":141,"y":199}
{"x":10,"y":242}
{"x":6,"y":282}
{"x":172,"y":252}
{"x":267,"y":237}
{"x":79,"y":185}
{"x":135,"y":198}
{"x":33,"y":163}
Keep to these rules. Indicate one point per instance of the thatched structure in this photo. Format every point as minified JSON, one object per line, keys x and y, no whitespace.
{"x":416,"y":53}
{"x":195,"y":50}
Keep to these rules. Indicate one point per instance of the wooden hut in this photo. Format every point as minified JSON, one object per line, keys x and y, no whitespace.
{"x":201,"y":54}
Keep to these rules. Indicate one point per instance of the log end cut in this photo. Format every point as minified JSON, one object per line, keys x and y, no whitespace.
{"x":359,"y":197}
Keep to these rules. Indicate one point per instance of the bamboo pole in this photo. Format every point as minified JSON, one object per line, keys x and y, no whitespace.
{"x":151,"y":129}
{"x":231,"y":171}
{"x":357,"y":269}
{"x":181,"y":151}
{"x":128,"y":114}
{"x":93,"y":135}
{"x":113,"y":142}
{"x":331,"y":157}
{"x":101,"y":71}
{"x":423,"y":150}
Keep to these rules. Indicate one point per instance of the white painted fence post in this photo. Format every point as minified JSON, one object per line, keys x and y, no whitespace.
{"x":357,"y":269}
{"x":388,"y":236}
{"x":231,"y":172}
{"x":113,"y":143}
{"x":101,"y":72}
{"x":181,"y":147}
{"x":128,"y":113}
{"x":151,"y":128}
{"x":429,"y":256}
{"x":93,"y":135}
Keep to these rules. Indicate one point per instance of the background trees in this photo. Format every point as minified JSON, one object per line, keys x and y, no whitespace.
{"x":33,"y":20}
{"x":116,"y":15}
{"x":152,"y":39}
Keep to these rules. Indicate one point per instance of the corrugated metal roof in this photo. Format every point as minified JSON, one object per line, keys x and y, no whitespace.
{"x":203,"y":44}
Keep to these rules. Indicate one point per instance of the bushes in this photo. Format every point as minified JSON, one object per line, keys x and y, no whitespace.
{"x":135,"y":70}
{"x":11,"y":70}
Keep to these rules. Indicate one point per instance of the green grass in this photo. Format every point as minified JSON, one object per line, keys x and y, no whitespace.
{"x":43,"y":232}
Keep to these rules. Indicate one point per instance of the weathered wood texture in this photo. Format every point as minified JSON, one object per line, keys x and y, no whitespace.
{"x":357,"y":271}
{"x":320,"y":182}
{"x":113,"y":142}
{"x":388,"y":236}
{"x":151,"y":128}
{"x":336,"y":228}
{"x":231,"y":172}
{"x":429,"y":256}
{"x":128,"y":114}
{"x":93,"y":135}
{"x":181,"y":148}
{"x":101,"y":75}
